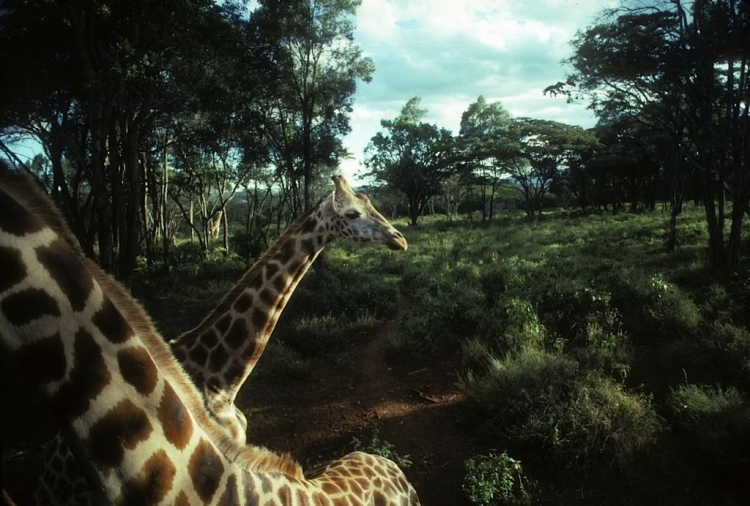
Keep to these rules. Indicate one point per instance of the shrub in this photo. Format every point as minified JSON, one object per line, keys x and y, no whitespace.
{"x":376,"y":445}
{"x":539,"y":399}
{"x":714,"y":420}
{"x":495,"y":479}
{"x":280,"y":359}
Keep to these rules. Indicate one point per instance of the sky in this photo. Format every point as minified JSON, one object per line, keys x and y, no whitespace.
{"x":448,"y":52}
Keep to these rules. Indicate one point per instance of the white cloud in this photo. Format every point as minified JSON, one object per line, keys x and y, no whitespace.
{"x":449,"y":53}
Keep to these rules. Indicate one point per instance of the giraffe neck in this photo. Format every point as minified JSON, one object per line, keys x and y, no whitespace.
{"x":222,"y":351}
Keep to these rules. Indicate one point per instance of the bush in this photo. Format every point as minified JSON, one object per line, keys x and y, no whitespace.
{"x":715,"y":422}
{"x":540,"y":399}
{"x":721,"y":353}
{"x":376,"y":445}
{"x":495,"y":479}
{"x":280,"y":359}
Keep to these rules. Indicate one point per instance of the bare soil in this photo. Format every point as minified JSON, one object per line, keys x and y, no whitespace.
{"x":415,"y":404}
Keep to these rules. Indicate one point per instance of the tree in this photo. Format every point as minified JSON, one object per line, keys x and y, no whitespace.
{"x":412,"y":157}
{"x":486,"y":144}
{"x":543,"y":149}
{"x":682,"y":68}
{"x":320,"y":67}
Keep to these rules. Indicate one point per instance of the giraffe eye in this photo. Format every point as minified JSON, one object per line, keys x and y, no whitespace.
{"x":352,"y":215}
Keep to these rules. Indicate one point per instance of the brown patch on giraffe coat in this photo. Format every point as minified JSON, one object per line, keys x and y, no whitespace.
{"x":209,"y":339}
{"x":43,"y":360}
{"x":182,"y":500}
{"x":259,"y":319}
{"x":320,"y":499}
{"x":308,"y":246}
{"x":15,"y":219}
{"x":252,"y":496}
{"x":205,"y":469}
{"x":68,"y":272}
{"x":231,"y":496}
{"x":88,"y":376}
{"x":13,"y":271}
{"x":309,"y":225}
{"x":379,"y":499}
{"x":28,"y":305}
{"x":243,"y":303}
{"x":237,"y":334}
{"x":174,"y":417}
{"x":152,"y":484}
{"x":286,"y":252}
{"x":266,"y":484}
{"x":138,"y":369}
{"x":270,"y":270}
{"x":223,"y":324}
{"x":280,"y":284}
{"x":234,"y":371}
{"x":111,"y":323}
{"x":198,"y":355}
{"x":218,"y":359}
{"x":330,"y":488}
{"x":285,"y":494}
{"x":124,"y":426}
{"x":267,"y":297}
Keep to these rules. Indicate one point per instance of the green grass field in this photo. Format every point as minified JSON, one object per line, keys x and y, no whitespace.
{"x":589,"y":354}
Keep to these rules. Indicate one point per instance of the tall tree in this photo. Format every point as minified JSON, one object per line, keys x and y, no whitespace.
{"x":412,"y":157}
{"x":320,"y":67}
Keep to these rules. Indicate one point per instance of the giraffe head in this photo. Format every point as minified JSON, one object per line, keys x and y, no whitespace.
{"x":355,"y":218}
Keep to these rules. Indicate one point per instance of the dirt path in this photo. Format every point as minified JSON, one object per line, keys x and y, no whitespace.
{"x":415,"y":404}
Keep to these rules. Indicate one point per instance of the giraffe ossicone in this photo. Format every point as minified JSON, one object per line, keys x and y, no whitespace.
{"x":134,"y":420}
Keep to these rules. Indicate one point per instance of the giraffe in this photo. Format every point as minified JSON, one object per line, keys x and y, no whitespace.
{"x":117,"y":293}
{"x":56,"y":306}
{"x":214,"y":224}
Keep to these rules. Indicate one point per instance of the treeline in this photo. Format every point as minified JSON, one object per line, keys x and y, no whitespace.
{"x":670,"y":86}
{"x":151,"y":113}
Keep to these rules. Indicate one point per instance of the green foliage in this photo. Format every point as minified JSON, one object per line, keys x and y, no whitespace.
{"x":376,"y":445}
{"x":495,"y":480}
{"x":282,"y":360}
{"x":540,"y":399}
{"x":714,"y":421}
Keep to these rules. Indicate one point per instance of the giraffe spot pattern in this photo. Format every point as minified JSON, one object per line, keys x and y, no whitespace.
{"x":111,"y":323}
{"x":43,"y":360}
{"x":13,"y":271}
{"x":152,"y":484}
{"x":28,"y":305}
{"x":286,"y":252}
{"x":279,"y":284}
{"x":231,"y":496}
{"x":237,"y":334}
{"x":198,"y":355}
{"x":138,"y":369}
{"x":205,"y":469}
{"x":218,"y":358}
{"x":223,"y":324}
{"x":267,"y":297}
{"x":86,"y":380}
{"x":68,"y":272}
{"x":16,"y":220}
{"x":209,"y":339}
{"x":270,"y":269}
{"x":124,"y":426}
{"x":182,"y":500}
{"x":259,"y":319}
{"x":309,"y":225}
{"x":174,"y":418}
{"x":308,"y":246}
{"x":285,"y":494}
{"x":243,"y":303}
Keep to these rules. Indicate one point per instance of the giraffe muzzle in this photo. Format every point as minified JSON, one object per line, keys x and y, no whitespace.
{"x":397,"y":242}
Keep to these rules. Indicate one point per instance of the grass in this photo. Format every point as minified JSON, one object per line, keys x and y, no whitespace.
{"x":585,"y":347}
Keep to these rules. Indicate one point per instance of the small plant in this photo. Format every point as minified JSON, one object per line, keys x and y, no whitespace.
{"x":376,"y":445}
{"x":495,"y":479}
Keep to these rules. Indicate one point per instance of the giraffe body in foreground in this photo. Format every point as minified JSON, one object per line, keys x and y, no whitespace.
{"x":135,"y":421}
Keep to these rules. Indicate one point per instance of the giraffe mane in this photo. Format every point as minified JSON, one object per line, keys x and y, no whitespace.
{"x":251,"y":273}
{"x":252,"y":458}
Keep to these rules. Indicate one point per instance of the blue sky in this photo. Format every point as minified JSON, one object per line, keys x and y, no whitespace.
{"x":449,"y":52}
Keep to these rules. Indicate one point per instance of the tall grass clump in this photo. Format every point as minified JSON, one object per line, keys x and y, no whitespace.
{"x":714,"y":422}
{"x":544,"y":401}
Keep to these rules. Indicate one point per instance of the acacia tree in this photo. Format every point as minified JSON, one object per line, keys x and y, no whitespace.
{"x":486,"y":144}
{"x":412,"y":157}
{"x":543,"y":148}
{"x":683,"y":68}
